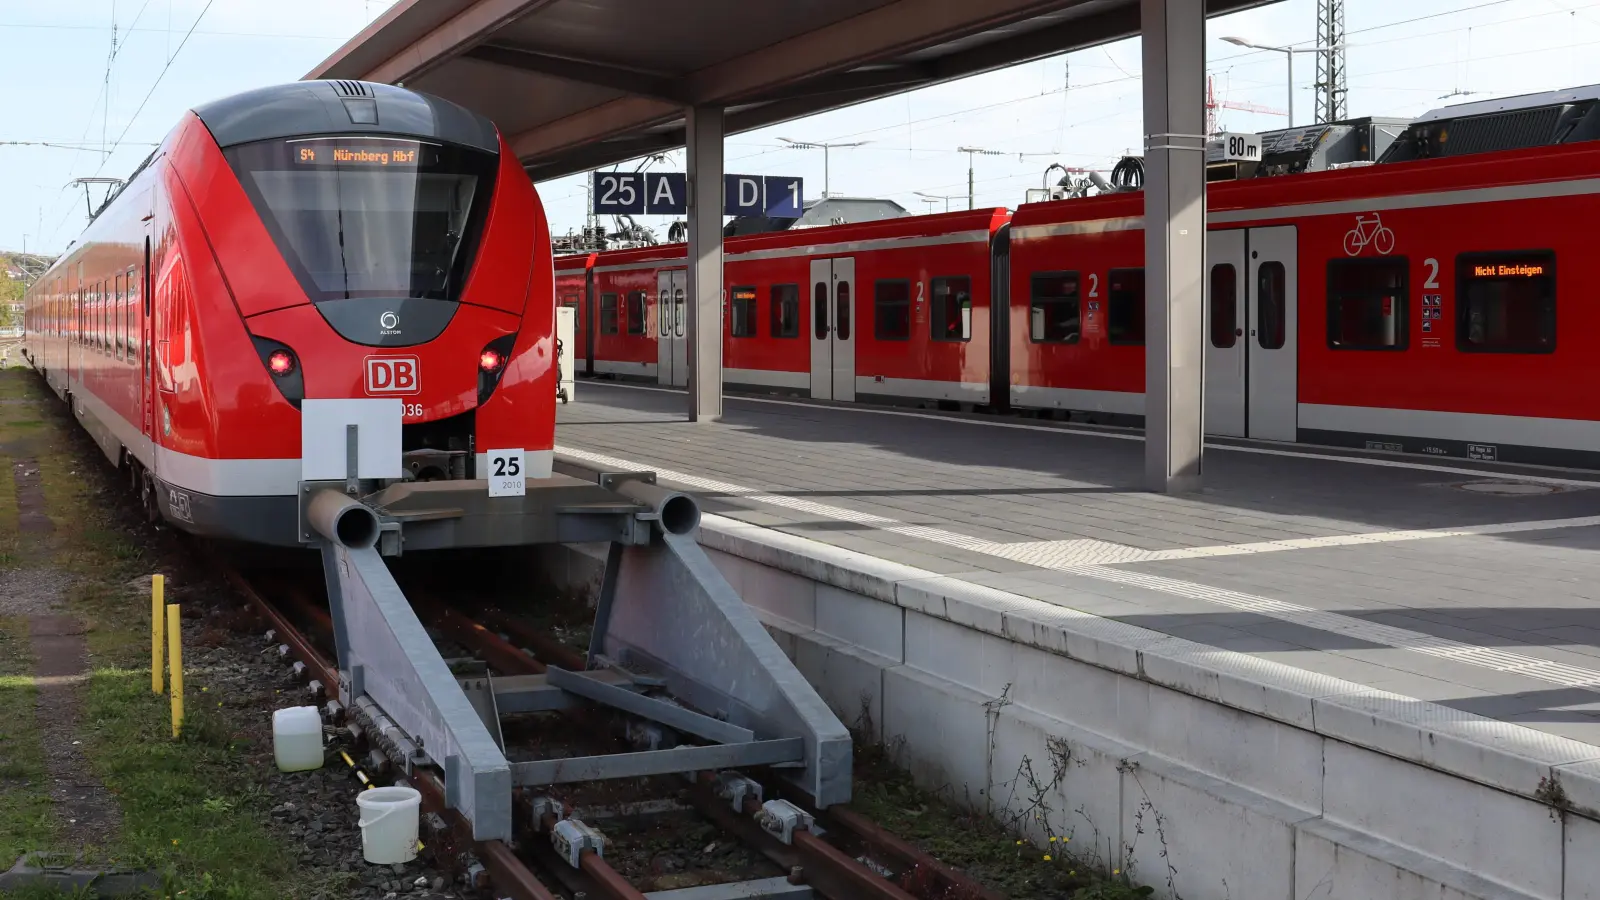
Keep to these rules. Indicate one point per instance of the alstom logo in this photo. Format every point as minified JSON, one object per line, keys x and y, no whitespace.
{"x":387,"y":375}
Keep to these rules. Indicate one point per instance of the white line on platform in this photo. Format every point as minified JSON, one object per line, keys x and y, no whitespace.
{"x":1359,"y":629}
{"x":1093,"y":559}
{"x":1138,"y":436}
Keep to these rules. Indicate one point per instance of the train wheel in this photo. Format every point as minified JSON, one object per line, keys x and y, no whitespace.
{"x":147,"y":493}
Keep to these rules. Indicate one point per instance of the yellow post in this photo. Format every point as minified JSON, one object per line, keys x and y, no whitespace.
{"x":175,"y":658}
{"x":158,"y":585}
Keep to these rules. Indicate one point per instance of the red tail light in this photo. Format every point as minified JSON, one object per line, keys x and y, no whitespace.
{"x":281,"y":363}
{"x":490,"y":360}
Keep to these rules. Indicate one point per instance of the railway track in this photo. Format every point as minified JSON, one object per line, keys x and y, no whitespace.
{"x":835,"y":853}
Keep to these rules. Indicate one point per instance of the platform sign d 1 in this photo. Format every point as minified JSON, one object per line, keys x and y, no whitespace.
{"x":619,"y":193}
{"x":506,"y":474}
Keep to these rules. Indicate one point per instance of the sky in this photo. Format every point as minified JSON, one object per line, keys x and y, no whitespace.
{"x":1080,"y":109}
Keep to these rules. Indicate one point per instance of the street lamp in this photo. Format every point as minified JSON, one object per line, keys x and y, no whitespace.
{"x":814,"y":145}
{"x":971,"y":152}
{"x":1288,"y":54}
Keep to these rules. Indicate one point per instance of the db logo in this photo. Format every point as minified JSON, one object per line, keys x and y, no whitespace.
{"x":393,"y":375}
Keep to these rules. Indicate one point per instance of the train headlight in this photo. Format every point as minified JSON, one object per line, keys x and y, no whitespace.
{"x":492,"y":361}
{"x":284,"y":367}
{"x":281,"y":363}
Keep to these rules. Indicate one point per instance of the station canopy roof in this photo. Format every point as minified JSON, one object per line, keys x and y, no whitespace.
{"x":579,"y":84}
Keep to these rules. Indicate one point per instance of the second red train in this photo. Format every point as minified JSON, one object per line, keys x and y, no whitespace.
{"x":1438,"y":305}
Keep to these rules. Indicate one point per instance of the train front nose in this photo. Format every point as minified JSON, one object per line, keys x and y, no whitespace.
{"x":381,"y":235}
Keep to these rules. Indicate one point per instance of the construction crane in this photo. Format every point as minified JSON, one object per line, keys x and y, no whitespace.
{"x":1212,"y":106}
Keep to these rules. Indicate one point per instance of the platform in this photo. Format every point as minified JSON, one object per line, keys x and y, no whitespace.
{"x":1468,"y":585}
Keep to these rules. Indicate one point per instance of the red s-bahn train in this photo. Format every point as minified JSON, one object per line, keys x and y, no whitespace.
{"x":1407,"y":305}
{"x":322,"y":240}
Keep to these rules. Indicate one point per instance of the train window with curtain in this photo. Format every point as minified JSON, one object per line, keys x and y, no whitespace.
{"x":1506,"y":302}
{"x":1367,"y":303}
{"x":951,"y":317}
{"x":742,"y":312}
{"x":608,"y":313}
{"x":1125,"y":306}
{"x":891,"y":310}
{"x":1271,"y":306}
{"x":636,"y":316}
{"x":786,"y":310}
{"x":1224,"y":306}
{"x":1053,"y":309}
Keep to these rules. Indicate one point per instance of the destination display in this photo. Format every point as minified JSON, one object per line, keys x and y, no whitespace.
{"x":365,"y":154}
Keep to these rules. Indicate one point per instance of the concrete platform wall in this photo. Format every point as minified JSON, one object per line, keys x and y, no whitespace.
{"x":1209,"y":775}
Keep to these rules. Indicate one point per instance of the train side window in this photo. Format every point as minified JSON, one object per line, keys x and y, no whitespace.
{"x":891,"y":309}
{"x":636,"y":307}
{"x":135,"y":298}
{"x":742,"y":314}
{"x":1367,"y":303}
{"x":785,"y":310}
{"x":1125,"y":306}
{"x":102,"y":338}
{"x":1224,"y":306}
{"x":1053,"y":308}
{"x":608,"y":313}
{"x":819,"y":310}
{"x":1506,"y":302}
{"x":951,"y":317}
{"x":1271,"y":310}
{"x":118,"y":332}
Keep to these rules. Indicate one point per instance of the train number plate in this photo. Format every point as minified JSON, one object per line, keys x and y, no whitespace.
{"x":389,"y":376}
{"x":506,"y":473}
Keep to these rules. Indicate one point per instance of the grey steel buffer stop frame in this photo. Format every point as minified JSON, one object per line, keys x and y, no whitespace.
{"x":675,"y":650}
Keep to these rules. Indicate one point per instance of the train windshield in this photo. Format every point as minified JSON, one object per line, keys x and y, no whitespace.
{"x":370,"y":217}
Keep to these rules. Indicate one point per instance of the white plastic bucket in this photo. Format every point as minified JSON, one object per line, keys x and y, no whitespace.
{"x":389,"y":824}
{"x":297,"y":738}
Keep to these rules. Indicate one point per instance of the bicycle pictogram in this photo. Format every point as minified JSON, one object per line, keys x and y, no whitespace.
{"x":1369,"y":231}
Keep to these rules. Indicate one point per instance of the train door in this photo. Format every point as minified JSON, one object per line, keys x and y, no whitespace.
{"x":672,"y":343}
{"x":1272,"y":382}
{"x":833,"y":341}
{"x":1225,"y":345}
{"x":1251,"y":362}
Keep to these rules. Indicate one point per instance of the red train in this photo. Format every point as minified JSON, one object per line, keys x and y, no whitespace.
{"x":312,"y":241}
{"x":1409,"y":305}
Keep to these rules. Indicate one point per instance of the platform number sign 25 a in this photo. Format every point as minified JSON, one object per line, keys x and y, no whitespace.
{"x":506,"y":473}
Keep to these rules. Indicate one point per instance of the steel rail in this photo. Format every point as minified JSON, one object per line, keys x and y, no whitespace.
{"x":510,"y":877}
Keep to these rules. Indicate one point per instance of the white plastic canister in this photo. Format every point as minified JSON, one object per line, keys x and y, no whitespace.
{"x":297,"y":738}
{"x":389,"y":824}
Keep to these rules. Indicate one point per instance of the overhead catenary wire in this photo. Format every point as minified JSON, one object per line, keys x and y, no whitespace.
{"x":135,"y":117}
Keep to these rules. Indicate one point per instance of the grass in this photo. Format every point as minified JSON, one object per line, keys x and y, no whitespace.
{"x":188,"y":811}
{"x":24,"y":795}
{"x":975,"y":843}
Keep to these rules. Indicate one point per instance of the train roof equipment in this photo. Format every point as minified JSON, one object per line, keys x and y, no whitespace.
{"x":819,"y":213}
{"x":1507,"y":123}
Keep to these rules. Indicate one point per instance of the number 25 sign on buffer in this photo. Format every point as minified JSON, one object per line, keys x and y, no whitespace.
{"x":506,"y":473}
